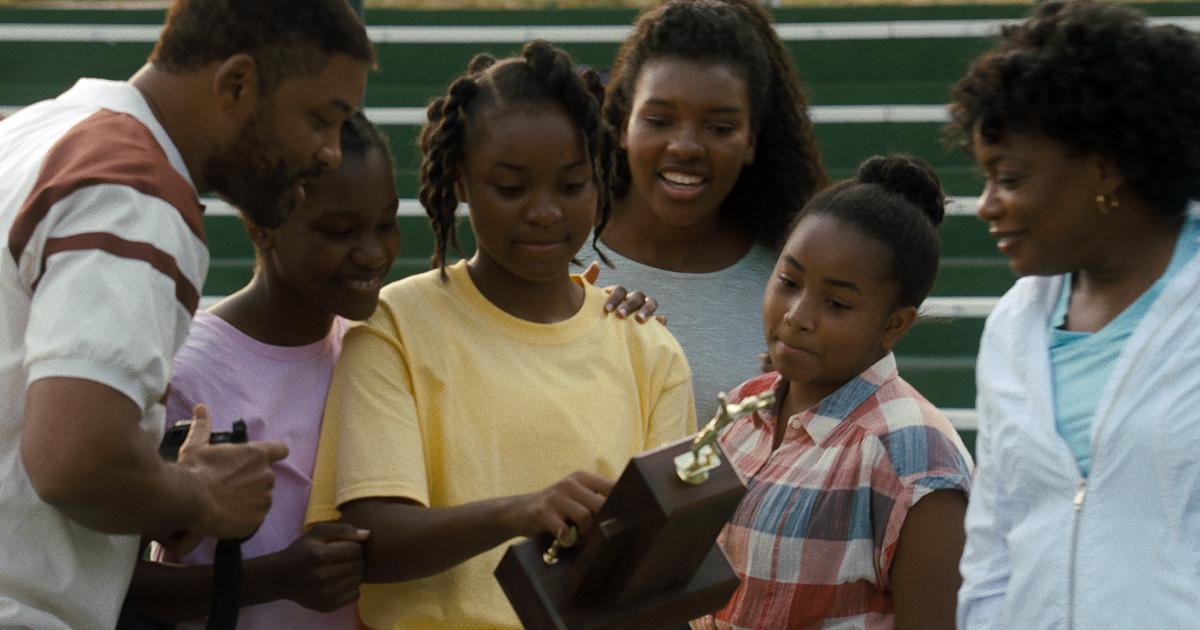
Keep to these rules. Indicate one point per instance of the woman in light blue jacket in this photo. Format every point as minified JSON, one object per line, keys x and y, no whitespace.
{"x":1085,"y":511}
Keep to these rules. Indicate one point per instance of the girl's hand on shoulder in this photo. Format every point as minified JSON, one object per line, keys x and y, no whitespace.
{"x":572,"y":500}
{"x":322,"y":569}
{"x":622,"y":302}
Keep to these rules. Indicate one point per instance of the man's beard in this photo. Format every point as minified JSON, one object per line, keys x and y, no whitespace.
{"x":254,"y":175}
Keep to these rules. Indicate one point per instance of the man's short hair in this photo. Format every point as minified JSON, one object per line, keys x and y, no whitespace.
{"x":286,"y":38}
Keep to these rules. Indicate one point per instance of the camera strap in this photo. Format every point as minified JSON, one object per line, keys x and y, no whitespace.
{"x":227,"y":585}
{"x":227,"y":566}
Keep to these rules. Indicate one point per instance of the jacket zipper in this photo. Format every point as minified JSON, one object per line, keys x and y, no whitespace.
{"x":1080,"y":493}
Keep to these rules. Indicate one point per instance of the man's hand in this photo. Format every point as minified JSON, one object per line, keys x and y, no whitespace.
{"x":235,"y":479}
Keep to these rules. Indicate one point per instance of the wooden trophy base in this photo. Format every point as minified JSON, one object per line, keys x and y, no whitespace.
{"x":545,"y":606}
{"x":650,"y":562}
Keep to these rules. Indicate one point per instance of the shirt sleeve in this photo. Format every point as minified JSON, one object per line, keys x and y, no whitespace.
{"x":106,"y":306}
{"x":674,"y":411}
{"x":180,"y":398}
{"x":370,"y":443}
{"x":920,"y":458}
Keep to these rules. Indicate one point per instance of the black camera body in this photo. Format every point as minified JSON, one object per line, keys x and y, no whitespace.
{"x":174,"y":437}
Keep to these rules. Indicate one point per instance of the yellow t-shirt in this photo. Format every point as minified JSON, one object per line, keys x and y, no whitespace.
{"x":443,"y":398}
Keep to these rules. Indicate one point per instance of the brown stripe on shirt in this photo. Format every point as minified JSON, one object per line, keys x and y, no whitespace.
{"x":105,"y":148}
{"x":185,"y":291}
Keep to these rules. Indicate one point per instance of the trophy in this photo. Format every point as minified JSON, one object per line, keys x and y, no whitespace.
{"x":651,"y":561}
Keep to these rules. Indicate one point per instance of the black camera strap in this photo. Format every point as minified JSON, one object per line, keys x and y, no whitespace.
{"x":227,"y":566}
{"x":227,"y":585}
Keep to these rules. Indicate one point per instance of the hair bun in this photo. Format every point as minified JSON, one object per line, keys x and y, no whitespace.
{"x":480,"y":62}
{"x":910,"y":177}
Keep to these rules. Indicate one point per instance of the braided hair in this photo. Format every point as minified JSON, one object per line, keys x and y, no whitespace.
{"x":787,"y":168}
{"x":897,"y":201}
{"x":542,"y":75}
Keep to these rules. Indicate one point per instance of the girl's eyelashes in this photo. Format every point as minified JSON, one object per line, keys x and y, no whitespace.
{"x":572,"y":188}
{"x":657,"y":121}
{"x":1008,"y":181}
{"x":509,"y":190}
{"x":338,"y":232}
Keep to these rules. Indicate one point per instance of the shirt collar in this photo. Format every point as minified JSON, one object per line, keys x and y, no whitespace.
{"x":836,"y":407}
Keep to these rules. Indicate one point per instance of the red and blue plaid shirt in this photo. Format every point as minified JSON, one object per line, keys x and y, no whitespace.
{"x":813,"y":539}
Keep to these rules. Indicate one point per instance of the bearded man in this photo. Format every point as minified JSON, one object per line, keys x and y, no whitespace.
{"x":101,"y":271}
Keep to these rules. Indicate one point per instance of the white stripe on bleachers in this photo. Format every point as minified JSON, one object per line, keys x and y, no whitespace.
{"x":962,"y":419}
{"x":214,"y":207}
{"x":828,"y":114}
{"x":103,"y":33}
{"x":821,"y":114}
{"x":961,"y":206}
{"x":815,"y":31}
{"x":958,"y":206}
{"x":958,"y":307}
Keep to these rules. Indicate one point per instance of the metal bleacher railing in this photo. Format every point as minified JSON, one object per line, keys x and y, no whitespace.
{"x":878,"y":79}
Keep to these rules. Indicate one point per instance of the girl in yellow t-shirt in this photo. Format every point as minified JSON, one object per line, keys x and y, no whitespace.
{"x":492,"y":399}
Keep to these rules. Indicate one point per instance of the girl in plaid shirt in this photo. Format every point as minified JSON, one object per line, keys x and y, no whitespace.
{"x":858,"y":484}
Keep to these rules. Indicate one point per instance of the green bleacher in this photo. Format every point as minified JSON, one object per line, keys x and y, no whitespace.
{"x":877,"y":76}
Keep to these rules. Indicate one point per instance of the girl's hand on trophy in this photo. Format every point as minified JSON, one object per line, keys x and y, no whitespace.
{"x":572,"y":500}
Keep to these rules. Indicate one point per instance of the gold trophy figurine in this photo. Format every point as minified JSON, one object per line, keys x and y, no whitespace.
{"x":651,"y":560}
{"x":693,"y":466}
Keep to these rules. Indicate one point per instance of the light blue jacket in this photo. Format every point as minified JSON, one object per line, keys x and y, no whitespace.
{"x":1047,"y":549}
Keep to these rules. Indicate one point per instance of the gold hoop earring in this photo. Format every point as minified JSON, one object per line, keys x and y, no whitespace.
{"x":1104,"y":205}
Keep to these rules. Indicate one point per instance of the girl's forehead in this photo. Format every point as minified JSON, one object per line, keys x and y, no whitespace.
{"x":703,"y":84}
{"x":366,"y":176}
{"x":838,"y":241}
{"x":671,"y":65}
{"x":503,"y":120}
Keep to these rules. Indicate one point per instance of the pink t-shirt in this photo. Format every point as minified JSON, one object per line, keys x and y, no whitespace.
{"x":280,"y":392}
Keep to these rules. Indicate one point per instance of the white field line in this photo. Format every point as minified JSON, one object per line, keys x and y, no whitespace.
{"x":818,"y":31}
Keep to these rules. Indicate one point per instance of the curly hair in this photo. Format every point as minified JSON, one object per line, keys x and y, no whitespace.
{"x":286,"y":38}
{"x":787,"y":168}
{"x":897,"y":201}
{"x":542,"y":75}
{"x":1099,"y":79}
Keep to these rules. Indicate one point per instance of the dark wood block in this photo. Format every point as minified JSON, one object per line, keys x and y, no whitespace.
{"x":535,"y":591}
{"x":651,"y":559}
